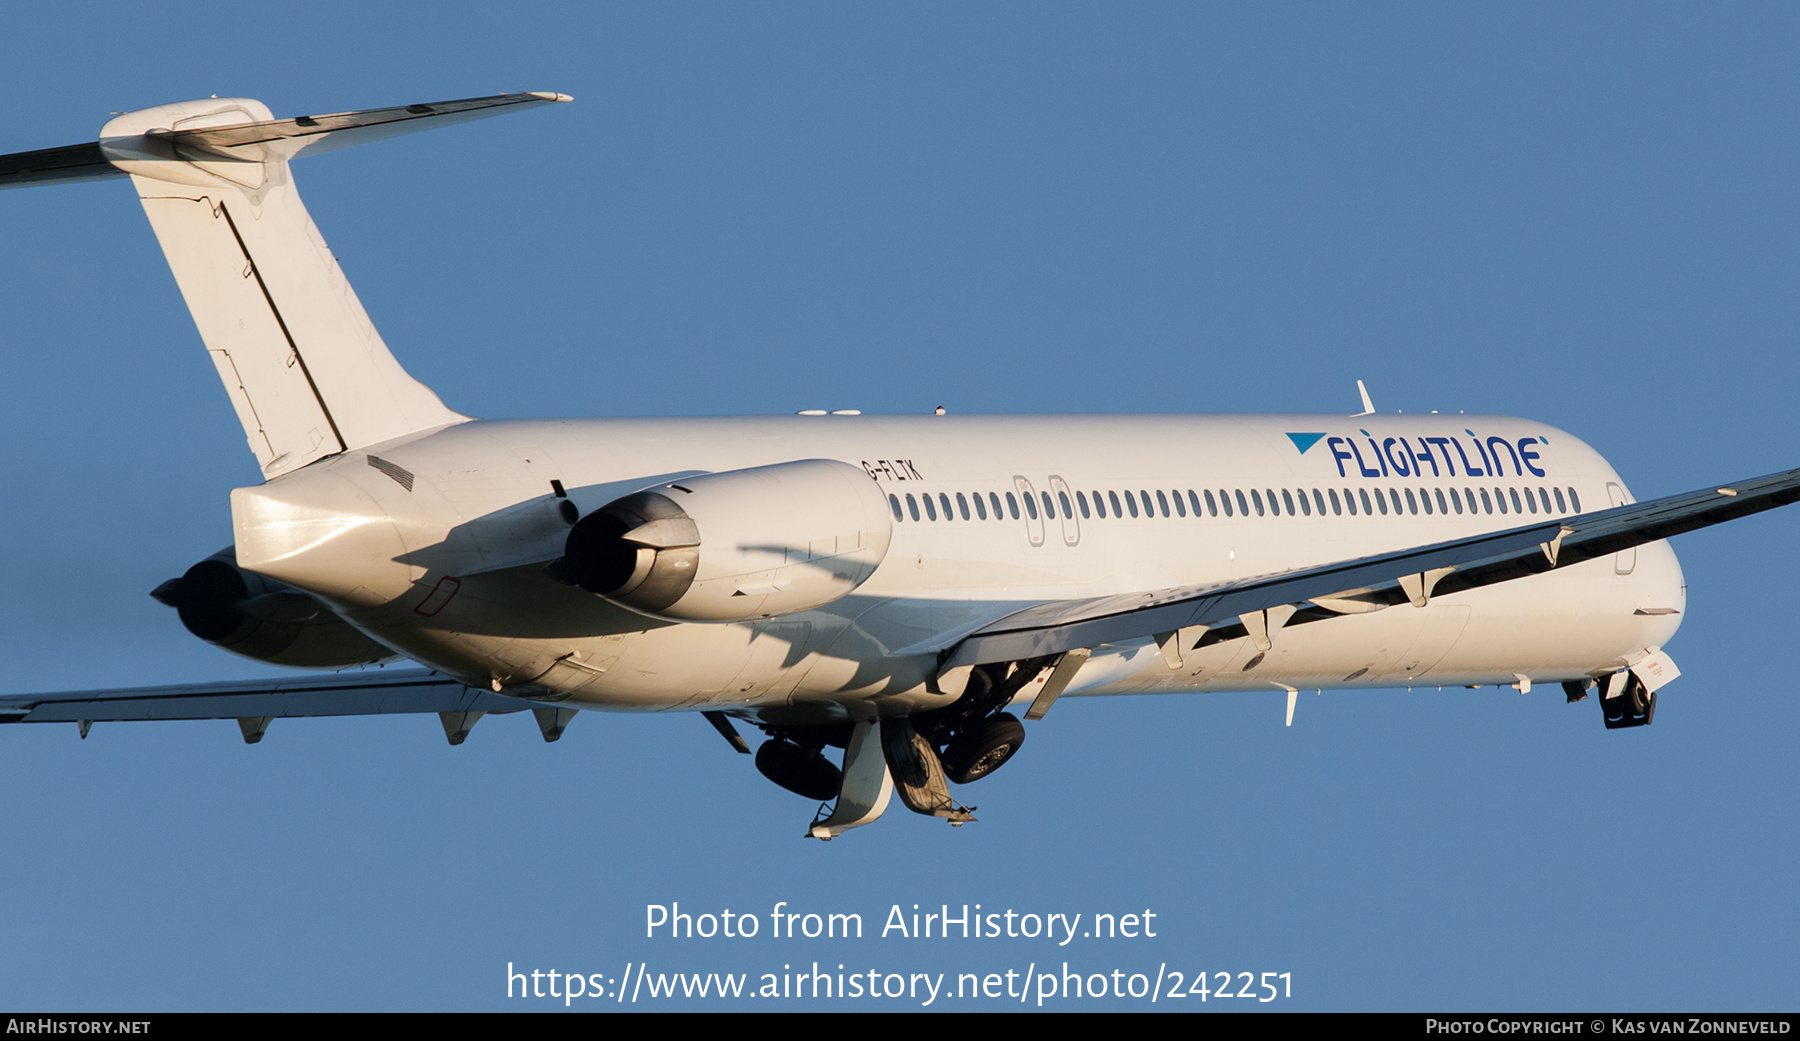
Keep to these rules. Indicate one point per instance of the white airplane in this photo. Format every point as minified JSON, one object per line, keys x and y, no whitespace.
{"x":888,"y":585}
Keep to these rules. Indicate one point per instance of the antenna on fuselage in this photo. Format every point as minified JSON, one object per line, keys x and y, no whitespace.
{"x":1368,"y":406}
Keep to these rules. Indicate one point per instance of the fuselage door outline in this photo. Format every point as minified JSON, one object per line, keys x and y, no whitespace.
{"x":1034,"y":521}
{"x":1065,"y":498}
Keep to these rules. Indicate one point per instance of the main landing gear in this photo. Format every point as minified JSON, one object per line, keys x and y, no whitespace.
{"x":801,"y":770}
{"x":917,"y":756}
{"x":984,"y":748}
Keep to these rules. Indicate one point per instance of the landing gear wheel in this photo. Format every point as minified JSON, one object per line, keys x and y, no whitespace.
{"x":802,"y":771}
{"x":984,"y":748}
{"x":1635,"y":706}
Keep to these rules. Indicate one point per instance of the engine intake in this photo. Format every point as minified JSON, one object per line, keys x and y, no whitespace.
{"x":736,"y":545}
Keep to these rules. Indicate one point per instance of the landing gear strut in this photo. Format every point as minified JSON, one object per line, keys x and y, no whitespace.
{"x":976,"y":737}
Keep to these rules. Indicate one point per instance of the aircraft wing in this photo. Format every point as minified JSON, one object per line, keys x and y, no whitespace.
{"x":1366,"y":584}
{"x":375,"y":692}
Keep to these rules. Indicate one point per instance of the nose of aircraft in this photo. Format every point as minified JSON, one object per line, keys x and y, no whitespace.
{"x":316,"y":530}
{"x":1661,"y":592}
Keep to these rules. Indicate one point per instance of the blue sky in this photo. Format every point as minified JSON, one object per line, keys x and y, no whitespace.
{"x":1580,"y":214}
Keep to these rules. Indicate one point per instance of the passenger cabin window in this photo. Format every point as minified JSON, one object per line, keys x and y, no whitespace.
{"x":1560,"y":508}
{"x":1368,"y":508}
{"x":1212,"y":507}
{"x":1131,"y":501}
{"x":1012,"y":506}
{"x":894,"y":501}
{"x":1081,"y":500}
{"x":912,"y":506}
{"x":980,"y":507}
{"x":1574,"y":500}
{"x":1113,"y":497}
{"x":1162,"y":502}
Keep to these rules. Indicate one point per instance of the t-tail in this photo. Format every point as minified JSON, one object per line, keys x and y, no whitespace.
{"x":305,"y":369}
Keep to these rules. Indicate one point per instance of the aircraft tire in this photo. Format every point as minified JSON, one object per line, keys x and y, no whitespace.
{"x":802,"y":771}
{"x":983,"y":749}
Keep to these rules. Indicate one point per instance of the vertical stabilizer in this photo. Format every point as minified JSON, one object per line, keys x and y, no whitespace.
{"x":306,"y":371}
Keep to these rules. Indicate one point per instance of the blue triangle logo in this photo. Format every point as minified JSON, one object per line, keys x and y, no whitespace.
{"x":1304,"y":441}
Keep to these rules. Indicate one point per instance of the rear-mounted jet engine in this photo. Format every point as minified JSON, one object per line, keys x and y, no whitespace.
{"x":734,"y":546}
{"x":262,"y":619}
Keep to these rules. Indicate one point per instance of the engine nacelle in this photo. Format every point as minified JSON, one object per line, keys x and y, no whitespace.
{"x":735,"y":546}
{"x":262,"y":619}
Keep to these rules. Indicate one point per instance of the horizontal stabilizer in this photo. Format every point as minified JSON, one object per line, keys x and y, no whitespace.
{"x":253,"y":142}
{"x":83,"y":162}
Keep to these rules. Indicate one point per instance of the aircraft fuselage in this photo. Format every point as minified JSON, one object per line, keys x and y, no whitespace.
{"x":436,"y":546}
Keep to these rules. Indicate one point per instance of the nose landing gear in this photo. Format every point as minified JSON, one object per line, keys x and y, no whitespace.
{"x":1627,"y":702}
